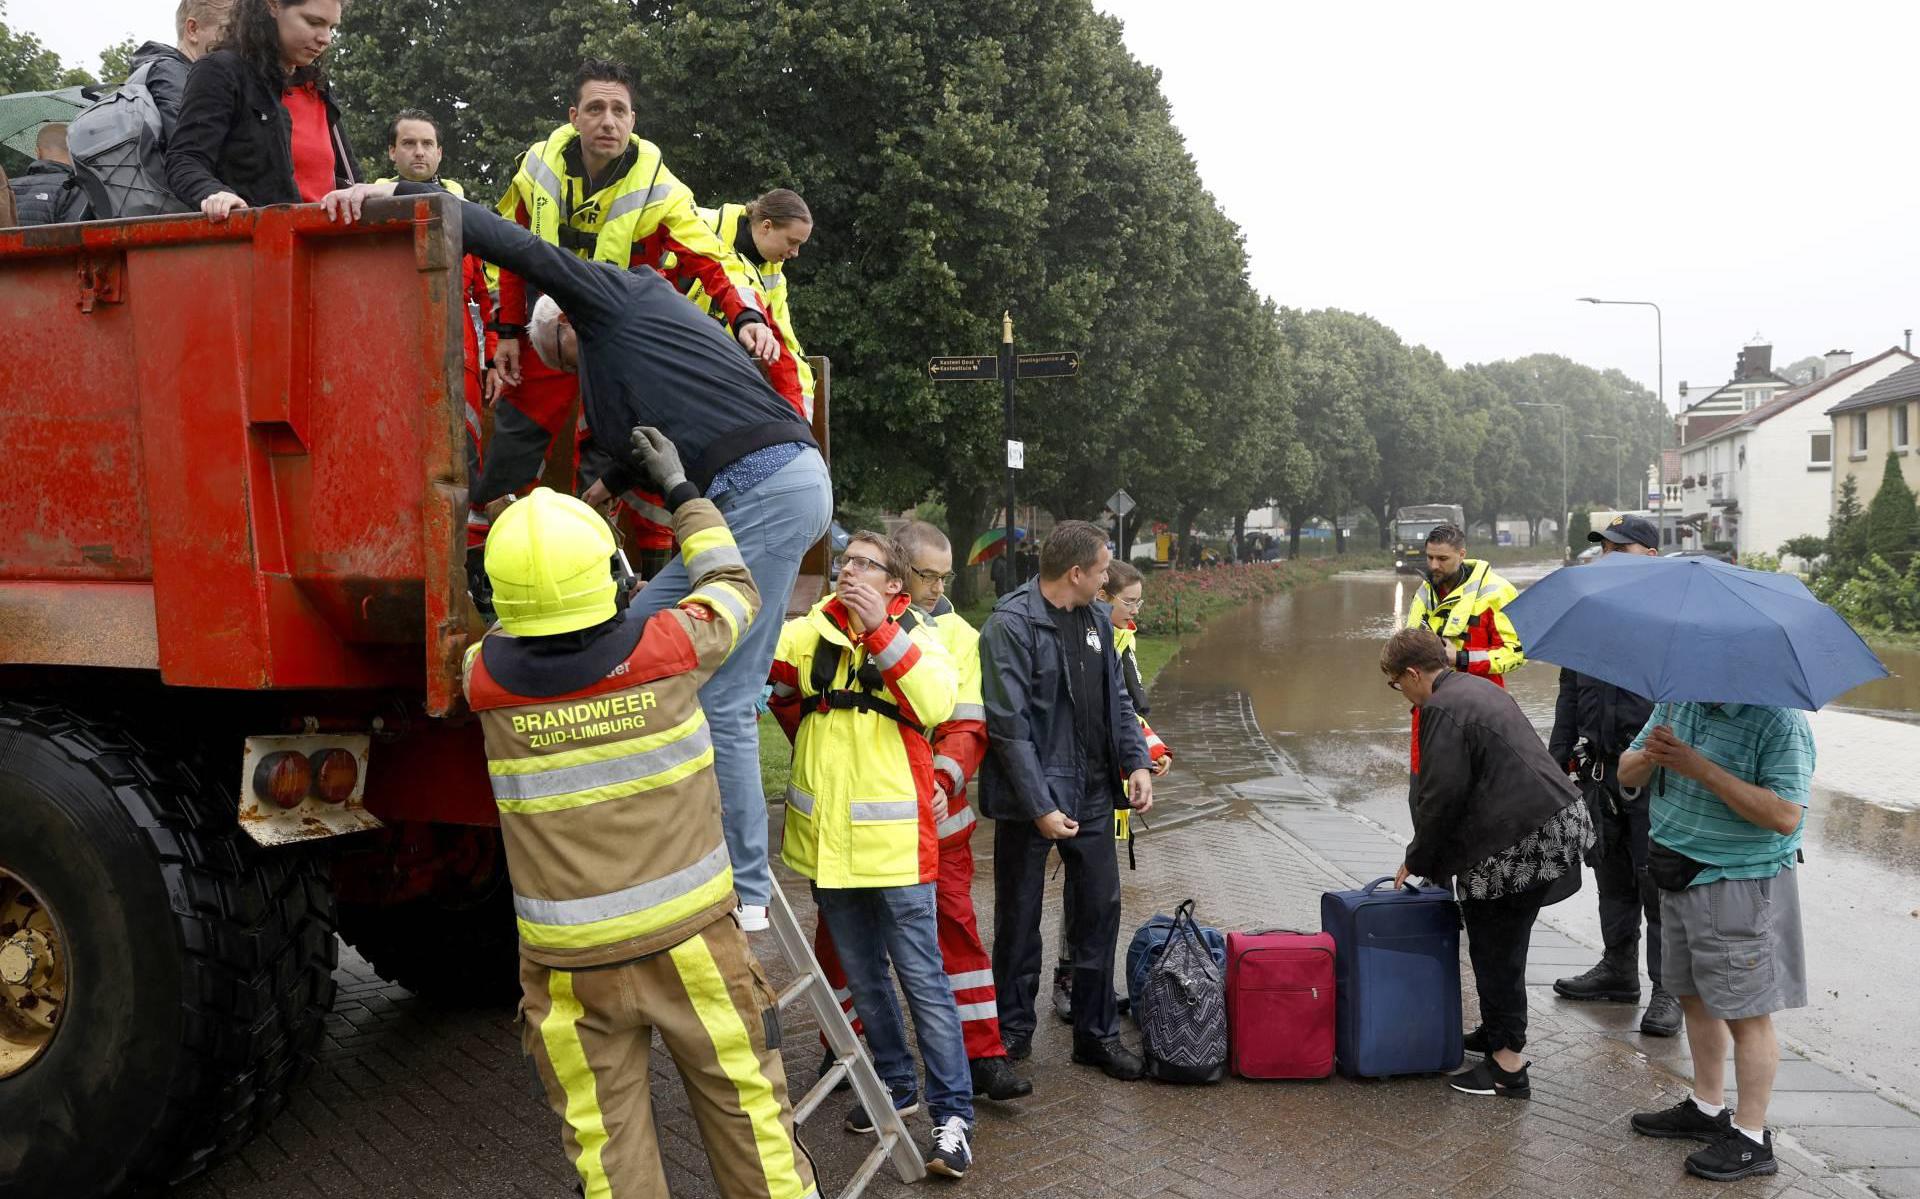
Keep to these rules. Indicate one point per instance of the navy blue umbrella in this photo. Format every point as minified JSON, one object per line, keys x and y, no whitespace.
{"x":1680,"y":629}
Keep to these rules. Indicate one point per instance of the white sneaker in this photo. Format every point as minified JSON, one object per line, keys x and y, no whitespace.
{"x":948,"y":1152}
{"x":752,"y":917}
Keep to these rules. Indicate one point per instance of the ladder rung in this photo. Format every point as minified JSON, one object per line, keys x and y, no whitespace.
{"x":797,"y":989}
{"x":818,"y":1094}
{"x":868,"y":1168}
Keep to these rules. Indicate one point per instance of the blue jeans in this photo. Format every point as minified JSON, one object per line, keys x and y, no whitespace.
{"x":871,"y":925}
{"x":775,"y":524}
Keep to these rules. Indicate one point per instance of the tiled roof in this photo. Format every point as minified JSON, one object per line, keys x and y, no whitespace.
{"x":1900,"y":385}
{"x":1788,"y":399}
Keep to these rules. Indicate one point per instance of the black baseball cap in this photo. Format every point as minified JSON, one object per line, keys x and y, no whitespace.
{"x":1628,"y":530}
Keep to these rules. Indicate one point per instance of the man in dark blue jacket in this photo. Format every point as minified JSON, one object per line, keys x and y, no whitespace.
{"x":1062,"y":735}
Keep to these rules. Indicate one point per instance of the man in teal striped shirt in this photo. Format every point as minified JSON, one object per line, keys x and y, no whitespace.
{"x":1730,"y":784}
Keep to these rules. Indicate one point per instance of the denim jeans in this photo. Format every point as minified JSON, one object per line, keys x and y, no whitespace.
{"x":774,"y":523}
{"x":871,"y":925}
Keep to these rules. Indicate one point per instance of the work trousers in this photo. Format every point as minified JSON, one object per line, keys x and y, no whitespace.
{"x":1093,"y":923}
{"x":774,"y":523}
{"x":590,"y":1031}
{"x":962,"y":954}
{"x":1627,"y":893}
{"x":1498,"y":934}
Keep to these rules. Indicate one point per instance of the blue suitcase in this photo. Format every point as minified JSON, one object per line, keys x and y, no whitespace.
{"x":1396,"y":979}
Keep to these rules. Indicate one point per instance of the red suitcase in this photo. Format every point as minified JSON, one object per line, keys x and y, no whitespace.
{"x":1280,"y":1011}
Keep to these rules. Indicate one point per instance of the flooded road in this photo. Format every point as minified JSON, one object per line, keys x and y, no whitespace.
{"x":1309,"y":661}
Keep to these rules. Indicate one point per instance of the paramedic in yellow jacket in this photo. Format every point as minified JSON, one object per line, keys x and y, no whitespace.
{"x":1464,"y":601}
{"x":602,"y":768}
{"x":762,"y":237}
{"x":860,"y":683}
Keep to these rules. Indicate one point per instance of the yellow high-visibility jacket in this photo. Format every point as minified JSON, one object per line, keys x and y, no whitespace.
{"x":860,"y":805}
{"x":1472,"y":621}
{"x":728,"y":223}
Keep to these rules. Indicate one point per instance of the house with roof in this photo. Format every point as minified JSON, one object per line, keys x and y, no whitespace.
{"x":1866,"y":425}
{"x":1753,"y":385}
{"x":1764,"y":476}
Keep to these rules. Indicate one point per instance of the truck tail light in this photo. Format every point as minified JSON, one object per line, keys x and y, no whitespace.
{"x":283,"y":778}
{"x":335,"y":773}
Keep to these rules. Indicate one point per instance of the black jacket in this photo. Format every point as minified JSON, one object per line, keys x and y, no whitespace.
{"x":1608,"y":717}
{"x":1035,"y":763}
{"x":1484,"y":781}
{"x":234,"y":135}
{"x":647,"y":357}
{"x":166,"y":80}
{"x":48,"y":194}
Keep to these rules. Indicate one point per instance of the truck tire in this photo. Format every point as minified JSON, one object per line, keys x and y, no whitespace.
{"x":453,"y":950}
{"x":199,"y":967}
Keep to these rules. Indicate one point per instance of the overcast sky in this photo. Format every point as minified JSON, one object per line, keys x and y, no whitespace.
{"x":1463,"y":171}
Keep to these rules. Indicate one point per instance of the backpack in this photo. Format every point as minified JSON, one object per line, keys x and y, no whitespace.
{"x":48,"y":197}
{"x":118,"y":146}
{"x":1183,"y":1010}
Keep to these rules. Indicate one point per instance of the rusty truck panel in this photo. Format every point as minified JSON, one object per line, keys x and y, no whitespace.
{"x":235,"y":450}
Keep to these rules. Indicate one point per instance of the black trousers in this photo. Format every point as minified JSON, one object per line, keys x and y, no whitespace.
{"x":1627,"y":894}
{"x":1092,"y":901}
{"x":1498,"y":933}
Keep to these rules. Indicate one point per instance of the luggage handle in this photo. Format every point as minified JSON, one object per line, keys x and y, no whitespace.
{"x":1387,"y":878}
{"x":1185,"y":925}
{"x":1262,"y":932}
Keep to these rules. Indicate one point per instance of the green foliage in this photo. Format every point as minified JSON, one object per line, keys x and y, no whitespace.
{"x":1808,"y":549}
{"x":1579,"y":524}
{"x":1893,"y":525}
{"x":116,"y":61}
{"x":1759,"y":561}
{"x":1878,"y":596}
{"x":26,"y":65}
{"x":1847,"y":529}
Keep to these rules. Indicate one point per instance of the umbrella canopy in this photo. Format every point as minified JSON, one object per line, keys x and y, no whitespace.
{"x":23,"y":113}
{"x":991,"y":544}
{"x":1693,"y":629}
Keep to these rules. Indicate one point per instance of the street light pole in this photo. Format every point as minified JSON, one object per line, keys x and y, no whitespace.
{"x":1616,"y":463}
{"x":1660,"y":377}
{"x":1562,"y":409}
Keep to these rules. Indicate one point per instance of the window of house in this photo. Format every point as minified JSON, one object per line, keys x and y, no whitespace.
{"x":1859,"y":435}
{"x":1901,"y":424}
{"x":1820,"y":450}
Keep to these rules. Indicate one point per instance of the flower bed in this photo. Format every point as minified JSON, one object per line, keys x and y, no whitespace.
{"x":1180,"y":601}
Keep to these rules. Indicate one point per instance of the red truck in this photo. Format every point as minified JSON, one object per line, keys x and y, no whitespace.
{"x":232,"y":612}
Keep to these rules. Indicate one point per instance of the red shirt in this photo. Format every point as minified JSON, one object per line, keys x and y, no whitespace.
{"x":312,"y":142}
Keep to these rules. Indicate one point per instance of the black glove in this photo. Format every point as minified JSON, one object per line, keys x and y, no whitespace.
{"x":660,"y":457}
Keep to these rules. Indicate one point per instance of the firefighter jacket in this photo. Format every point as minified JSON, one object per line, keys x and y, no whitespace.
{"x":960,"y":741}
{"x":792,"y":376}
{"x":1472,"y":621}
{"x":1123,"y":639}
{"x":859,"y":709}
{"x":608,"y":802}
{"x":551,"y":196}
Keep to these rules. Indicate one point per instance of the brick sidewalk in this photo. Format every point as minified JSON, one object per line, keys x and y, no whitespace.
{"x":410,"y":1100}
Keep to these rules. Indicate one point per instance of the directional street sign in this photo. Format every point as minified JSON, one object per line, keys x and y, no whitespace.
{"x":1063,"y":365}
{"x":1120,"y":503}
{"x":965,"y":368}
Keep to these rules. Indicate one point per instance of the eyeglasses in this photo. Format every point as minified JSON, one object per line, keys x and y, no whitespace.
{"x":1395,"y":683}
{"x":934,"y":576}
{"x":861,"y":561}
{"x":1131,"y":605}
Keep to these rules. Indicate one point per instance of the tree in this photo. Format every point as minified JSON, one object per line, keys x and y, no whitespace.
{"x":116,"y":61}
{"x":1847,"y":529}
{"x":1803,"y":371}
{"x":1893,"y":525}
{"x":1808,"y":548}
{"x":26,"y":65}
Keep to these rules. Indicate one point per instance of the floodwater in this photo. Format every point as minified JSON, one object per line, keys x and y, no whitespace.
{"x":1309,"y":660}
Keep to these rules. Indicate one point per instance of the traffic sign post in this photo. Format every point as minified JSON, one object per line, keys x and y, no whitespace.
{"x":1120,"y":503}
{"x":1007,"y":367}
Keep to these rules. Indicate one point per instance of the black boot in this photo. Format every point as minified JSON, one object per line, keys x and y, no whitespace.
{"x":1610,"y":980}
{"x":994,"y":1079}
{"x":1663,"y":1017}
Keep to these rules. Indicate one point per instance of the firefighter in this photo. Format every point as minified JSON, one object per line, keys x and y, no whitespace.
{"x":602,"y":768}
{"x":762,"y":237}
{"x":1464,"y":601}
{"x":958,"y":745}
{"x":415,"y":149}
{"x":859,"y":683}
{"x":595,"y":188}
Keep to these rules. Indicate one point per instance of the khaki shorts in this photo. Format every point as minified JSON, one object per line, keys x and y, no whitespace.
{"x":1736,"y":944}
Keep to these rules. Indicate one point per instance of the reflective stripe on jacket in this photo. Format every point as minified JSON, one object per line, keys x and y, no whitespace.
{"x":860,"y":806}
{"x":961,"y":740}
{"x":793,"y":376}
{"x":1123,"y":645}
{"x":608,"y":802}
{"x":1472,"y":619}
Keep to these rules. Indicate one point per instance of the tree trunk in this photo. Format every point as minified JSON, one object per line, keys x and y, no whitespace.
{"x":1295,"y":519}
{"x":1339,"y":537}
{"x":967,"y":515}
{"x":1183,"y":535}
{"x":1386,"y":524}
{"x":1240,"y":538}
